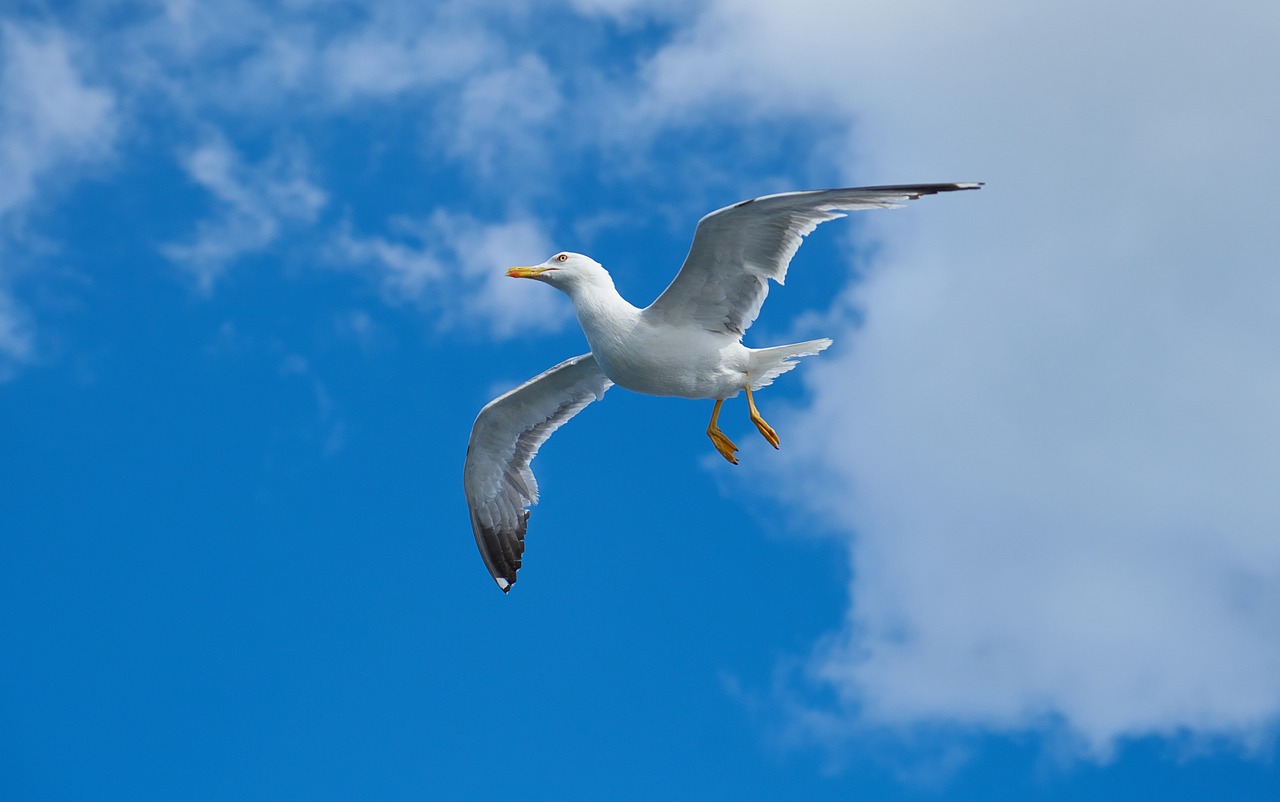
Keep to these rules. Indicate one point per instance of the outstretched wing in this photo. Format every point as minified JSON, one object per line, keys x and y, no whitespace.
{"x":507,"y":434}
{"x":737,"y":249}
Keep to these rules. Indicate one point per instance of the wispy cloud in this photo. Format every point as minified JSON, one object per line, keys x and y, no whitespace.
{"x":507,"y":116}
{"x":50,"y":116}
{"x":16,"y":338}
{"x":253,"y":204}
{"x":52,"y":121}
{"x":454,"y":265}
{"x":383,"y":61}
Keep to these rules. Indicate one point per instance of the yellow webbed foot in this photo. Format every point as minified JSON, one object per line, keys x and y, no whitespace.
{"x":723,"y":444}
{"x":718,"y":439}
{"x":765,"y":428}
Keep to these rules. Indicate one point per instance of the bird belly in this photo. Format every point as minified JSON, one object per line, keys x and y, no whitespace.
{"x":683,"y":362}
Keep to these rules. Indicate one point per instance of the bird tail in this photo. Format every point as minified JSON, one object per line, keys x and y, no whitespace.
{"x":768,"y":364}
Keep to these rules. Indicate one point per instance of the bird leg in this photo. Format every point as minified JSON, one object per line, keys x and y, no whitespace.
{"x":723,"y":444}
{"x":765,"y":429}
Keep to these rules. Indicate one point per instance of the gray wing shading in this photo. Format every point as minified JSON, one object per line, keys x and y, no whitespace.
{"x":737,"y":249}
{"x":506,"y":436}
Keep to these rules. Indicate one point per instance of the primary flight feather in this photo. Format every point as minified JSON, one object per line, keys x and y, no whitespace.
{"x":687,"y":343}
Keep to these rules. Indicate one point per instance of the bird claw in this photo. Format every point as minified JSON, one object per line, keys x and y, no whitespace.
{"x":766,"y":430}
{"x":723,"y":444}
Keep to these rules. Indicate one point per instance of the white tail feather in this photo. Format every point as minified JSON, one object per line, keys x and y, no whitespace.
{"x":768,"y":364}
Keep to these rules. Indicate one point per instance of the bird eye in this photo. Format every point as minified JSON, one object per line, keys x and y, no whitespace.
{"x":564,"y":257}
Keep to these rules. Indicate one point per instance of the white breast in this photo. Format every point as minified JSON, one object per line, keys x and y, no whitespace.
{"x":656,"y":357}
{"x":689,"y":362}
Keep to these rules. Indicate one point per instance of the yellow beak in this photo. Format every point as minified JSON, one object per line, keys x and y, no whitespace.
{"x":526,"y":272}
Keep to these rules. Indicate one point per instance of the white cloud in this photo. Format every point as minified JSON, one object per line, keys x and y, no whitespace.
{"x":508,"y":116}
{"x":16,"y":337}
{"x":405,"y":265}
{"x":243,"y":58}
{"x":381,"y":62}
{"x":49,"y":116}
{"x":1054,"y":435}
{"x":254,"y":202}
{"x":51,"y":123}
{"x":204,"y":64}
{"x":455,"y":265}
{"x":483,"y":252}
{"x":630,"y":12}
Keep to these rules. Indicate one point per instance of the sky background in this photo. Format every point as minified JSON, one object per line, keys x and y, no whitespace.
{"x":1022,"y":539}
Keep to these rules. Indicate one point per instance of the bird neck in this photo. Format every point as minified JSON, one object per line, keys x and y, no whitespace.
{"x":605,"y":316}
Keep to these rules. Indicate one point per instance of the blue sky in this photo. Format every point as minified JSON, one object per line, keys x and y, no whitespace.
{"x":1021,"y":540}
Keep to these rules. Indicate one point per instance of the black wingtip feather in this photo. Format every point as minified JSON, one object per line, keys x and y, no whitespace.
{"x":918,"y":190}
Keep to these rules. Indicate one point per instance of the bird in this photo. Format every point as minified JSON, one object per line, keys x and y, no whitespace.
{"x":687,"y":343}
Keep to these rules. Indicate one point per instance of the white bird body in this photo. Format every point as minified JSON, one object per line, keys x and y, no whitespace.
{"x":643,"y":353}
{"x":687,"y":343}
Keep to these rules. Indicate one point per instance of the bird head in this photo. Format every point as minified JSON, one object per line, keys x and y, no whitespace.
{"x":565,"y":270}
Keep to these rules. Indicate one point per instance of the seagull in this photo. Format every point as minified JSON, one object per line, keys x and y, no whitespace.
{"x":687,"y":343}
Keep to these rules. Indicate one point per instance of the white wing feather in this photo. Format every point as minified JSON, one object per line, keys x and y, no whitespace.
{"x":737,"y":249}
{"x":506,"y":436}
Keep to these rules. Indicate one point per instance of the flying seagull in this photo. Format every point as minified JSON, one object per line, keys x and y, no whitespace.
{"x":687,"y":343}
